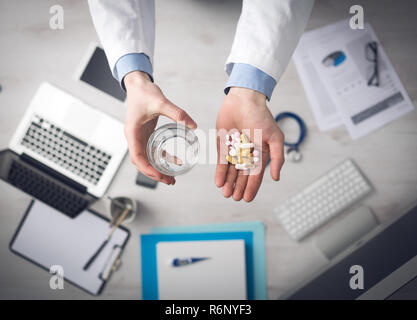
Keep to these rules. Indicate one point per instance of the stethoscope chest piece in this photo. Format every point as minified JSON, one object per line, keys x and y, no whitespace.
{"x":292,"y":152}
{"x":293,"y":155}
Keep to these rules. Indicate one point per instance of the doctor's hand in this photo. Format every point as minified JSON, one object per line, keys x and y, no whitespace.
{"x":145,"y":103}
{"x":245,"y":109}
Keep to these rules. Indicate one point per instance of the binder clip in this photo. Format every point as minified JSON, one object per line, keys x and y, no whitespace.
{"x":112,"y":264}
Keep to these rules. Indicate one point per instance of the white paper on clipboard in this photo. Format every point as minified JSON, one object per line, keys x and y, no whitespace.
{"x":48,"y":237}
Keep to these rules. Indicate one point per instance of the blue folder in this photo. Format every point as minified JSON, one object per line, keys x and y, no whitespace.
{"x":149,"y":263}
{"x":258,"y":230}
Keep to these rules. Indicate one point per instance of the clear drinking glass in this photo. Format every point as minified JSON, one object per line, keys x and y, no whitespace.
{"x":118,"y":205}
{"x":173,"y":149}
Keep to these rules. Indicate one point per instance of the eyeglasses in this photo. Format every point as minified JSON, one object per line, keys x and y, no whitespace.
{"x":371,"y":53}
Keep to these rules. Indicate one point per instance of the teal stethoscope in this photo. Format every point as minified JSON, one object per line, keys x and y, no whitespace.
{"x":292,"y":152}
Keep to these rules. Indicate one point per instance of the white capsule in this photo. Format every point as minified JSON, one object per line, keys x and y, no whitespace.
{"x":255,"y":159}
{"x":247,"y":145}
{"x":244,"y":166}
{"x":240,"y":166}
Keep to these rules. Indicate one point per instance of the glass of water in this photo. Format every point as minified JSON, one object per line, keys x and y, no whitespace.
{"x":173,"y":149}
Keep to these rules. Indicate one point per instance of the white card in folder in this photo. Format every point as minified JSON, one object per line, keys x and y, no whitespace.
{"x":222,"y":276}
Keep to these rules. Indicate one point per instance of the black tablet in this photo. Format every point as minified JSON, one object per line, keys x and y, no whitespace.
{"x":96,"y":72}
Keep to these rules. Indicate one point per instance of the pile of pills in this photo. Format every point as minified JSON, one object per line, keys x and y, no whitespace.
{"x":242,"y":153}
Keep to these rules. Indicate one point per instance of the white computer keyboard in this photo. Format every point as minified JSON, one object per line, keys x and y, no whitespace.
{"x":322,"y":200}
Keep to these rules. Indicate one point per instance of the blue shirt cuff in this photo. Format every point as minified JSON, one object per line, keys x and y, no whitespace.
{"x":247,"y":76}
{"x":132,"y":62}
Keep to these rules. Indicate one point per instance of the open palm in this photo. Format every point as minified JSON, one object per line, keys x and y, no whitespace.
{"x":245,"y":110}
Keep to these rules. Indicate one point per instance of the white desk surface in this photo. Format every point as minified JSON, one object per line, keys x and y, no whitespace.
{"x":193,"y":41}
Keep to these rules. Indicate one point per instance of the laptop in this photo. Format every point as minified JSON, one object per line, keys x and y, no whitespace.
{"x":64,"y":152}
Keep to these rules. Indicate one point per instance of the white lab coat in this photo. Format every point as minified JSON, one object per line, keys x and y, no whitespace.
{"x":266,"y":36}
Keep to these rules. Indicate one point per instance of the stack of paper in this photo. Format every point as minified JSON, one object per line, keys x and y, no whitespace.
{"x":335,"y":64}
{"x":234,"y":267}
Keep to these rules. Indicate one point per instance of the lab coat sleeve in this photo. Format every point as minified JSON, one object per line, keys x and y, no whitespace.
{"x":267,"y":34}
{"x":246,"y":76}
{"x":124,"y":27}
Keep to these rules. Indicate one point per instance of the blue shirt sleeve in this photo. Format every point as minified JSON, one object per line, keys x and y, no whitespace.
{"x":247,"y":76}
{"x":132,"y":62}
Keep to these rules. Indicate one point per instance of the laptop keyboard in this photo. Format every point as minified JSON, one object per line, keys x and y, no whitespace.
{"x":46,"y":190}
{"x":62,"y":148}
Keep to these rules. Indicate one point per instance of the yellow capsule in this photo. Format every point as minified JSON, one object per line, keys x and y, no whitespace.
{"x":245,"y":152}
{"x":247,"y":160}
{"x":244,"y":138}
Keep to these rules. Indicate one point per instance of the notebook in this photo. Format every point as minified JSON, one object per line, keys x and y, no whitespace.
{"x":157,"y":251}
{"x":221,"y":276}
{"x":48,"y":237}
{"x":258,"y":230}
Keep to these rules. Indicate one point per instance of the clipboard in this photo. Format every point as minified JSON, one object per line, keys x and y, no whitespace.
{"x":47,"y":237}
